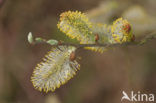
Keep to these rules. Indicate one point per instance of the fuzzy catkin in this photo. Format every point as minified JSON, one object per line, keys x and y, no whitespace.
{"x":55,"y":69}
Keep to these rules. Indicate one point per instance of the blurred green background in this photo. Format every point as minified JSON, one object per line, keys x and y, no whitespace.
{"x":102,"y":77}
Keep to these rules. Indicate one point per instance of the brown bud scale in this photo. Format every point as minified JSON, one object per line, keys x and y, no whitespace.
{"x":127,"y":28}
{"x":72,"y":56}
{"x":96,"y":37}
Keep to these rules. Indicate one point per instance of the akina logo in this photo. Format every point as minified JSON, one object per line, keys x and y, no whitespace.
{"x":137,"y":97}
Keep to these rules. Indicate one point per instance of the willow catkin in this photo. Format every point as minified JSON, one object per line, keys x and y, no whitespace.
{"x":55,"y":69}
{"x":77,"y":25}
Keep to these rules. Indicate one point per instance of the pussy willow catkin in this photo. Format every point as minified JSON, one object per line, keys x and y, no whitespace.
{"x":121,"y":31}
{"x":77,"y":25}
{"x":55,"y":70}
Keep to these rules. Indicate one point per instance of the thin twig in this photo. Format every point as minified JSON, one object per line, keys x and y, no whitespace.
{"x":141,"y":42}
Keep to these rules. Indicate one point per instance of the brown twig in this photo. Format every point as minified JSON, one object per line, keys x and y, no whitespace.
{"x":141,"y":42}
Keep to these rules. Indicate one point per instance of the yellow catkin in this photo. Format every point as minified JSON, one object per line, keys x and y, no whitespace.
{"x":76,"y":25}
{"x":55,"y":70}
{"x":121,"y":31}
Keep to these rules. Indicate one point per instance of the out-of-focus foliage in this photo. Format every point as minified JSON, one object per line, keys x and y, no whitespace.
{"x":140,"y":19}
{"x":103,"y":12}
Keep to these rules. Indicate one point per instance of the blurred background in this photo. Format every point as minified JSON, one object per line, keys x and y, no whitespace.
{"x":102,"y":77}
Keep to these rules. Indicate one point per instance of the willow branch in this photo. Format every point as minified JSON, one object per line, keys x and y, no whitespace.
{"x":134,"y":43}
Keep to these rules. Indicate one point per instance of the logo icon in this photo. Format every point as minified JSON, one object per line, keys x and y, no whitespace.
{"x":125,"y":96}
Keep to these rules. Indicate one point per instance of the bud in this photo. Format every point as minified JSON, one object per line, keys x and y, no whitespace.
{"x":72,"y":56}
{"x":30,"y":38}
{"x":52,"y":42}
{"x":38,"y":40}
{"x":96,"y":37}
